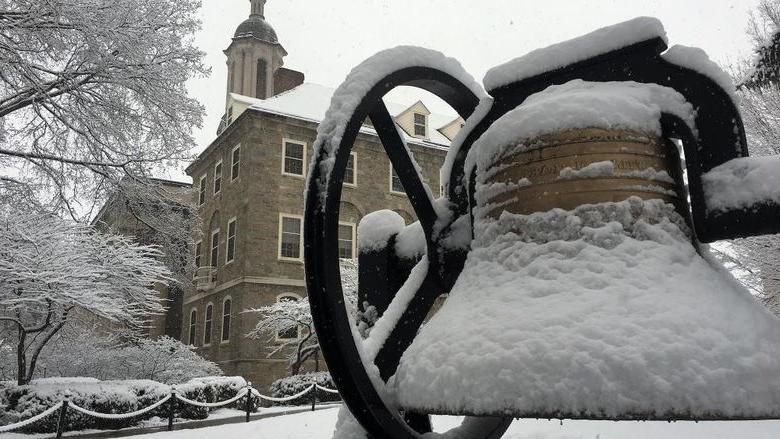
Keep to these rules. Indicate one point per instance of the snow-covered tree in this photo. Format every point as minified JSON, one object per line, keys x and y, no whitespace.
{"x":764,"y":30}
{"x":294,"y":317}
{"x":80,"y":351}
{"x":756,"y":260}
{"x":164,"y":359}
{"x":51,"y":269}
{"x":288,"y":317}
{"x":160,"y":215}
{"x":93,"y":102}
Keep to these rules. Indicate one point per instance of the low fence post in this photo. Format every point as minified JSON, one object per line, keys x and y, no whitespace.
{"x":61,"y":419}
{"x":313,"y":396}
{"x":248,"y":399}
{"x":171,"y":408}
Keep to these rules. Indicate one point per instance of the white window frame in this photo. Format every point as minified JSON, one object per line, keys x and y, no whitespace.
{"x":354,"y":228}
{"x":213,"y":263}
{"x":300,"y":238}
{"x":424,"y":125}
{"x":221,"y":172}
{"x":192,"y":334}
{"x":202,"y":190}
{"x":205,"y":320}
{"x":233,"y":164}
{"x":285,"y":141}
{"x":227,"y":241}
{"x":390,"y":181}
{"x":354,"y":170}
{"x":297,"y":328}
{"x":222,"y":339}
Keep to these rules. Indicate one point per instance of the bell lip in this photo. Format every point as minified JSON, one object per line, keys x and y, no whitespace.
{"x":628,"y":416}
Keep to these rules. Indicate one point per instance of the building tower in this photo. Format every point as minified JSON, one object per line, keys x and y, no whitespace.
{"x":255,"y":58}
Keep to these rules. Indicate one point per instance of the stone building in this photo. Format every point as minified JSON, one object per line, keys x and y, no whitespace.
{"x":250,"y":183}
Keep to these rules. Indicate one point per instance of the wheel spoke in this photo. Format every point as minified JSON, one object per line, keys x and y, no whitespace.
{"x":403,"y":163}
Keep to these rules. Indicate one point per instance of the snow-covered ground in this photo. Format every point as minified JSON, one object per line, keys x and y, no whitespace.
{"x":319,"y":425}
{"x":221,"y":413}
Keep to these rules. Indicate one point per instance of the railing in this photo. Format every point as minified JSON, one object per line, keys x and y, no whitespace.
{"x":205,"y":278}
{"x":248,"y":393}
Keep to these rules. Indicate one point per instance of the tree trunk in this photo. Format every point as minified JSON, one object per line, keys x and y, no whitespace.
{"x":40,"y":346}
{"x":21,"y":359}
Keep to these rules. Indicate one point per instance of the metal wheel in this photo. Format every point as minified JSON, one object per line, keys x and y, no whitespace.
{"x":333,"y":326}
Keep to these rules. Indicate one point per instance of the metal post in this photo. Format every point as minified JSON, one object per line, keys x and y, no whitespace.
{"x":248,"y":399}
{"x":313,"y":396}
{"x":171,"y":408}
{"x":61,"y":420}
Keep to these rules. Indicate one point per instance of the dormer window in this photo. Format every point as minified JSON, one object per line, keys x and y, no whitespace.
{"x":229,"y":115}
{"x":420,"y":124}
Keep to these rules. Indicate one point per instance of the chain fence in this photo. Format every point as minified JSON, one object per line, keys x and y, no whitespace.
{"x":247,"y":393}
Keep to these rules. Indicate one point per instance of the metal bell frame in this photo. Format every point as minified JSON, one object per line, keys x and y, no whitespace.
{"x":720,"y":138}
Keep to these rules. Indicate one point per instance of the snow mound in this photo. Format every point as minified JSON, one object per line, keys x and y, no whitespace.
{"x":607,"y":169}
{"x":742,"y":182}
{"x":376,"y":228}
{"x":603,"y":311}
{"x":593,"y":170}
{"x":579,"y":104}
{"x":577,"y":49}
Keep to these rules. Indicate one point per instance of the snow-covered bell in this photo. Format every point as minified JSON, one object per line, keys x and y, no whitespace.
{"x":584,"y":293}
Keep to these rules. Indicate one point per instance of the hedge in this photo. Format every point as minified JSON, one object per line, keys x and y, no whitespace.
{"x":22,"y":402}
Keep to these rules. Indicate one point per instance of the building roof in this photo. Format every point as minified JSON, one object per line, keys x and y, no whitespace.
{"x":310,"y":101}
{"x":256,"y":27}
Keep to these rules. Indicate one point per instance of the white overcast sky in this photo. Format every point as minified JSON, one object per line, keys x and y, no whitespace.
{"x":325,"y":39}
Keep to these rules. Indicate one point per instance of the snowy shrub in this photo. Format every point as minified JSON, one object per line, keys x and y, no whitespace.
{"x":164,"y":359}
{"x":23,"y":402}
{"x":292,"y":385}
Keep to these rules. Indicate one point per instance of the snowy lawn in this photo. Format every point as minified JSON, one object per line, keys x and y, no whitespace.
{"x":319,"y":425}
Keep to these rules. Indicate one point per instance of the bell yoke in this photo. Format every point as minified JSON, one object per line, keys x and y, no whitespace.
{"x":568,"y":243}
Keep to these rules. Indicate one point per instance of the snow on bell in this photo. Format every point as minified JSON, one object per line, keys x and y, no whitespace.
{"x":584,"y":294}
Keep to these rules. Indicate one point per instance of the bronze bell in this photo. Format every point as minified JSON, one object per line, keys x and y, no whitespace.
{"x":588,"y":166}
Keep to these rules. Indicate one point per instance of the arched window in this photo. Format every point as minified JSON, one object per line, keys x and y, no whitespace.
{"x":292,"y":333}
{"x":207,"y":324}
{"x":193,"y":323}
{"x":226,"y":306}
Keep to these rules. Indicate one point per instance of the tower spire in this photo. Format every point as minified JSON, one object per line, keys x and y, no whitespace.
{"x":258,"y":8}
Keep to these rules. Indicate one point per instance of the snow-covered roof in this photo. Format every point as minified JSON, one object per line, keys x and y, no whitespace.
{"x":310,"y":101}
